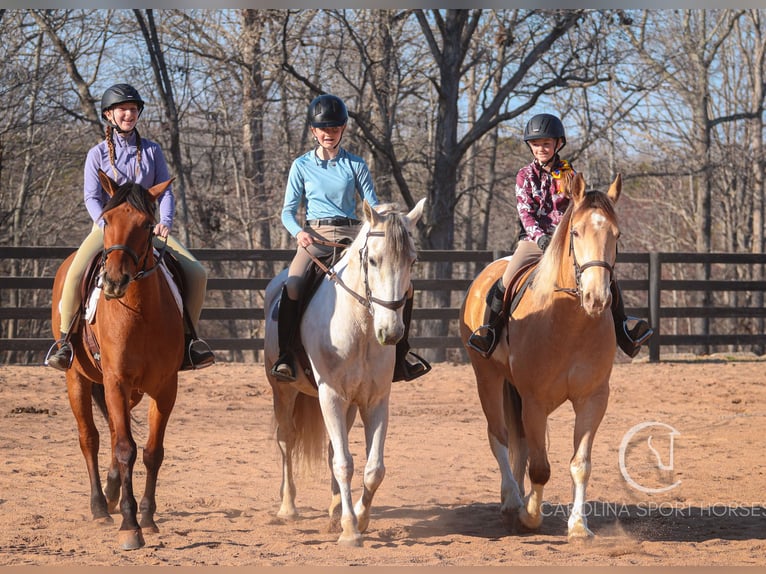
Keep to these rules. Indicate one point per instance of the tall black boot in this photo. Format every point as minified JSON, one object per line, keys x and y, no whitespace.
{"x":287,"y":327}
{"x":631,"y":332}
{"x":484,"y":339}
{"x":404,"y":369}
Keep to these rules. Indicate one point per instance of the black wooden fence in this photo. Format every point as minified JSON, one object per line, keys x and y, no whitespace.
{"x":722,"y":311}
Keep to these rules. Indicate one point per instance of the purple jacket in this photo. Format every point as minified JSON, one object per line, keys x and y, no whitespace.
{"x":153,"y":170}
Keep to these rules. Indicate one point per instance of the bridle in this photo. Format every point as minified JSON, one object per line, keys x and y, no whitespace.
{"x":368,"y":299}
{"x":578,"y":270}
{"x":143,"y":272}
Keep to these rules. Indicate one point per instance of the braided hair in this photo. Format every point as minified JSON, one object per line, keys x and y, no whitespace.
{"x":109,"y":130}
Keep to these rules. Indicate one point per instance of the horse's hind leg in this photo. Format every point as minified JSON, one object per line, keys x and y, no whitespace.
{"x":491,"y":388}
{"x":283,"y":403}
{"x":154,"y":454}
{"x":535,"y":423}
{"x":375,"y":428}
{"x":79,"y":392}
{"x":588,"y":416}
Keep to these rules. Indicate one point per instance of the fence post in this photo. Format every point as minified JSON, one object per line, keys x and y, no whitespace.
{"x":655,"y":275}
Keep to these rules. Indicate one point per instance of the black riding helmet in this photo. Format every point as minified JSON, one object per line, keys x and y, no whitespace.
{"x":327,"y":111}
{"x":545,"y":126}
{"x":120,"y":94}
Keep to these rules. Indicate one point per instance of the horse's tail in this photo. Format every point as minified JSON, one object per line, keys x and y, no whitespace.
{"x":310,"y":436}
{"x":99,"y":397}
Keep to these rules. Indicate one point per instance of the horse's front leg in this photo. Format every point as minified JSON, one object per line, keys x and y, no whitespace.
{"x":588,"y":416}
{"x":334,"y":411}
{"x":80,"y":400}
{"x":124,"y":452}
{"x":375,"y":429}
{"x":334,"y":488}
{"x":154,"y":452}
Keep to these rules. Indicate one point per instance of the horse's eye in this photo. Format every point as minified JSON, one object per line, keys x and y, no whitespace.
{"x":575,"y":233}
{"x":372,"y":261}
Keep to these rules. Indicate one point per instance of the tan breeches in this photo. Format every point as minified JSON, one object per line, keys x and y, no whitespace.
{"x":194,"y":273}
{"x":526,"y":252}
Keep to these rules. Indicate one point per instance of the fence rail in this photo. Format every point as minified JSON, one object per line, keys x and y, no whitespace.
{"x":728,"y":312}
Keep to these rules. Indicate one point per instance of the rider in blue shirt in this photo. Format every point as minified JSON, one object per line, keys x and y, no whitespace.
{"x":328,"y":180}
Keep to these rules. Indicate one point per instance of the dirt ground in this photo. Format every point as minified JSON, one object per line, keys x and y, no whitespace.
{"x":692,"y":496}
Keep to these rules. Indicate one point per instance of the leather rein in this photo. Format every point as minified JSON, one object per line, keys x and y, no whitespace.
{"x":368,"y":299}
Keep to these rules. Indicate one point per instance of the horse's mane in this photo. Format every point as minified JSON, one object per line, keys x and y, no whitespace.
{"x":548,"y":270}
{"x":135,"y":195}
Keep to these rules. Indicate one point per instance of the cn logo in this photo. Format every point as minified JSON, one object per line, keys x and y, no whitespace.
{"x":662,"y":463}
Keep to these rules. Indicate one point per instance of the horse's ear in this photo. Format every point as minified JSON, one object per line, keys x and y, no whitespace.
{"x":107,"y":182}
{"x":157,"y":190}
{"x":417,"y":212}
{"x":615,"y":189}
{"x":370,"y":214}
{"x":577,"y":187}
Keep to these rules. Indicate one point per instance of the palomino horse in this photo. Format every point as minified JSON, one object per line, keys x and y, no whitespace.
{"x":560,"y":345}
{"x":349,"y":331}
{"x":139,"y":330}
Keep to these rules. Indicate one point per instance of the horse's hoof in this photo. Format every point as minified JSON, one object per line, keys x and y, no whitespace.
{"x":510,"y":520}
{"x":287,"y":515}
{"x":131,"y":539}
{"x":579,"y":534}
{"x":350,"y":540}
{"x":528,"y":521}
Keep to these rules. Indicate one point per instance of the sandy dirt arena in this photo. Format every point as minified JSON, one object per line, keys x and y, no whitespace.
{"x":692,"y":496}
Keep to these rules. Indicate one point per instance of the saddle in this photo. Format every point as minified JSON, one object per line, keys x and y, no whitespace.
{"x":89,"y":284}
{"x":314,"y":277}
{"x":514,"y":291}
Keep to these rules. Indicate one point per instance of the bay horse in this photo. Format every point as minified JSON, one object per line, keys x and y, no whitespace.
{"x":139,"y":330}
{"x":349,"y":331}
{"x":559,"y":345}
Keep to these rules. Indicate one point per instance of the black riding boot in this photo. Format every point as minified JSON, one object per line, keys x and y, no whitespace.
{"x":405,"y":370}
{"x":484,"y":338}
{"x":287,"y":327}
{"x":631,"y":332}
{"x":62,"y":358}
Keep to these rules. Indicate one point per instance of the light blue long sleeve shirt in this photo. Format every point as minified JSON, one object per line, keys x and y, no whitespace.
{"x":329,"y":188}
{"x":154,"y":170}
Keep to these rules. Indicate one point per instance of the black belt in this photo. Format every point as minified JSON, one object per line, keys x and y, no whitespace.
{"x":336,"y":221}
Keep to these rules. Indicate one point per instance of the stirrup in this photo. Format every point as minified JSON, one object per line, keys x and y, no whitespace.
{"x":281,"y":375}
{"x":407,"y":371}
{"x":631,"y":340}
{"x":204,"y":358}
{"x":490,"y":337}
{"x":57,"y":344}
{"x":639,"y":337}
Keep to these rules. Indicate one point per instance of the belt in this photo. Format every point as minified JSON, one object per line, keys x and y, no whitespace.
{"x":336,"y":221}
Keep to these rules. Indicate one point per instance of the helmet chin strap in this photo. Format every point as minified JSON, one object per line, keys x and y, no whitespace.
{"x":119,"y":129}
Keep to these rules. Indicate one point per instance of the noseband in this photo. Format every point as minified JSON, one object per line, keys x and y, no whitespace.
{"x":143,"y":272}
